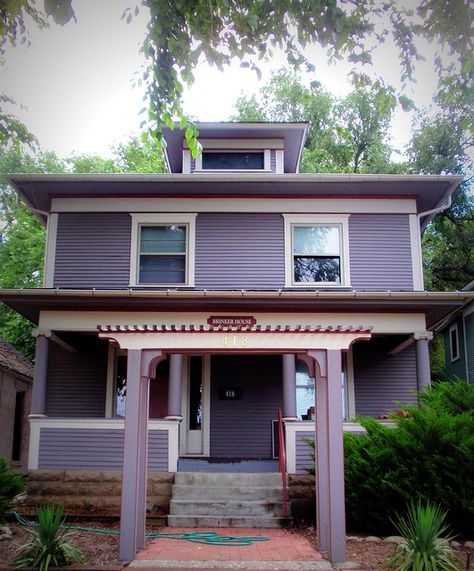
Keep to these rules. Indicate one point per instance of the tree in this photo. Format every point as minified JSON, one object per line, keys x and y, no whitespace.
{"x":347,"y":135}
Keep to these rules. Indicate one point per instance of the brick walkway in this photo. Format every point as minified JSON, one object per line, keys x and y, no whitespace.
{"x":282,"y":546}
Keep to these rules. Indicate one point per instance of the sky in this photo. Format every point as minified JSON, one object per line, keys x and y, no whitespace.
{"x":75,"y":83}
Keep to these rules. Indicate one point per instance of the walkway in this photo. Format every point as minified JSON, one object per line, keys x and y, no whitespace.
{"x":284,"y":550}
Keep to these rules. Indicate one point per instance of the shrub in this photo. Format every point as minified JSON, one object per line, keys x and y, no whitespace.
{"x":422,"y":528}
{"x":429,"y":456}
{"x":49,"y":544}
{"x":11,"y":484}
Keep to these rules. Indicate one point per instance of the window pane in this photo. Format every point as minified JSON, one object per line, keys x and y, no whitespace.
{"x":195,"y":393}
{"x":229,"y":161}
{"x":121,"y":385}
{"x":316,"y":240}
{"x":162,"y":269}
{"x":163,"y":239}
{"x":311,"y":269}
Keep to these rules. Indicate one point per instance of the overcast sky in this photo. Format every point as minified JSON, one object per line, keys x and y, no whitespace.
{"x":75,"y":82}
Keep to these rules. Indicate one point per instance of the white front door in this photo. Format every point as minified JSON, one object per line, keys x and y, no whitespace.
{"x":196,"y":406}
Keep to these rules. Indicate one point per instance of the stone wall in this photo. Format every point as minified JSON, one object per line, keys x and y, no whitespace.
{"x":93,"y":489}
{"x":302,"y":494}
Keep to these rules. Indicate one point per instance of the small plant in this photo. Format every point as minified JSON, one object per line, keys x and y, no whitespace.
{"x":422,"y":528}
{"x":49,"y":544}
{"x":11,"y":484}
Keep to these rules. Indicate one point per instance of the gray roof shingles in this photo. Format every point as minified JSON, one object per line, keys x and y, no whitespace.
{"x":12,"y":360}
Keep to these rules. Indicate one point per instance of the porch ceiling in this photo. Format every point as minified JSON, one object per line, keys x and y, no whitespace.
{"x":437,"y":306}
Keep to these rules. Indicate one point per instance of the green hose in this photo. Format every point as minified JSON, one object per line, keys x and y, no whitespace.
{"x":204,"y":537}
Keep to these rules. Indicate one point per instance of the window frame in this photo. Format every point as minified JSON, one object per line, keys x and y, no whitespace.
{"x":266,"y":160}
{"x":139,"y":220}
{"x":457,"y":355}
{"x":301,"y":220}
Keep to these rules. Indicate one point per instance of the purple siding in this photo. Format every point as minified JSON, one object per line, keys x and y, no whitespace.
{"x":380,"y":252}
{"x":380,"y":380}
{"x":93,"y":250}
{"x":77,"y":381}
{"x":84,"y":448}
{"x":304,"y":461}
{"x":237,"y":251}
{"x":243,"y":428}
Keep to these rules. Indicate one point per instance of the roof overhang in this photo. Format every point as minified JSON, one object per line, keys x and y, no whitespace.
{"x":437,"y":306}
{"x":293,"y":136}
{"x":38,"y":190}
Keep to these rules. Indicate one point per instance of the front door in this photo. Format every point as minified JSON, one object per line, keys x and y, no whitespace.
{"x":196,"y":407}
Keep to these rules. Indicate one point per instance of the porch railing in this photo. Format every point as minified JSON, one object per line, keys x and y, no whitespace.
{"x":282,"y":461}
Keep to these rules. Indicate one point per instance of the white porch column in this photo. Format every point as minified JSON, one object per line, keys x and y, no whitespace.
{"x":134,"y":460}
{"x":289,"y":387}
{"x":423,"y":369}
{"x":174,"y":390}
{"x":40,"y":376}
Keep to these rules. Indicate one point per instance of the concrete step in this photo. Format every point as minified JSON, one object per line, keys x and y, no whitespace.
{"x":216,"y":493}
{"x":265,"y":479}
{"x":203,"y":521}
{"x":226,"y":508}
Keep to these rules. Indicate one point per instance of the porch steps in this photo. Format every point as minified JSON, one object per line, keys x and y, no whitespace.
{"x":205,"y":499}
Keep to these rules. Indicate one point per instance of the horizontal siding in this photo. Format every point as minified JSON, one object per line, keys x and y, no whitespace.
{"x":304,"y":461}
{"x":381,"y":380}
{"x":236,"y":251}
{"x":82,"y":448}
{"x":93,"y":250}
{"x":469,"y":322}
{"x":243,"y":428}
{"x":76,"y":383}
{"x":380,"y":252}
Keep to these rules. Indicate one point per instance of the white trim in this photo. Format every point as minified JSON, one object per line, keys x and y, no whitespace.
{"x":350,"y":393}
{"x":280,"y":168}
{"x":189,"y":219}
{"x":267,"y":160}
{"x":239,"y":204}
{"x":454,"y":327}
{"x":186,"y":162}
{"x":50,"y":254}
{"x":173,"y":446}
{"x":33,"y":451}
{"x":290,"y":439}
{"x":342,"y":221}
{"x":416,"y":254}
{"x":206,"y":408}
{"x":238,"y":144}
{"x":183,"y":433}
{"x":110,"y":386}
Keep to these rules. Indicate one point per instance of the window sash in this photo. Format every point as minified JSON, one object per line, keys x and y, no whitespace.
{"x":327,"y":255}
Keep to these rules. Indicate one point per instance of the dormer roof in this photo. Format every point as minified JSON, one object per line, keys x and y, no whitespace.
{"x":293,"y":136}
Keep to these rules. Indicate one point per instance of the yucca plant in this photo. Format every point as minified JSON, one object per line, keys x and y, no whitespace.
{"x":49,"y":544}
{"x":421,"y":528}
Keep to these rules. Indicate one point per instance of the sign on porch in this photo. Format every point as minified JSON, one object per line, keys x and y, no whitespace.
{"x":231,"y":321}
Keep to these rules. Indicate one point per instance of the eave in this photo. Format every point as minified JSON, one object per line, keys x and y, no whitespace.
{"x":437,"y":306}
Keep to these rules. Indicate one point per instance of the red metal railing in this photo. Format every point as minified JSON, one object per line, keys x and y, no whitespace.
{"x":282,"y":460}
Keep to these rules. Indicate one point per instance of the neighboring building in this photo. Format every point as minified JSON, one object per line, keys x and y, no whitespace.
{"x":16,"y":377}
{"x":458,"y":333}
{"x":229,"y":283}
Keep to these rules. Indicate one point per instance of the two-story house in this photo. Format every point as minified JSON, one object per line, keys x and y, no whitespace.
{"x":197,"y":303}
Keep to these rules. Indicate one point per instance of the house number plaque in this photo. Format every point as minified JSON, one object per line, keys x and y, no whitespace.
{"x":235,"y":341}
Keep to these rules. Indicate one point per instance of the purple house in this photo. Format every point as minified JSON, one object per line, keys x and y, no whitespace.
{"x":180,"y":311}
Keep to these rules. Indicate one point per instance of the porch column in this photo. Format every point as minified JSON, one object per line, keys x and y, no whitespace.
{"x":289,"y":387}
{"x":40,"y":376}
{"x":329,"y":447}
{"x":423,"y":369}
{"x":174,"y":389}
{"x":134,"y":460}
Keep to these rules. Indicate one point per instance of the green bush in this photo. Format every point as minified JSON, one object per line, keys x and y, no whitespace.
{"x":11,"y":484}
{"x":429,"y":456}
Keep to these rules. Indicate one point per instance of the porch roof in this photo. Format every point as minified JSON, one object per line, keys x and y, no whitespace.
{"x":437,"y":306}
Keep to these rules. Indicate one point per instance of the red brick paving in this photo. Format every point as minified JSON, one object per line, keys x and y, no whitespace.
{"x":282,"y":546}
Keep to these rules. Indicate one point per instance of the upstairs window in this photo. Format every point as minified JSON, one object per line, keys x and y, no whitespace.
{"x":454,"y":342}
{"x":317,"y":250}
{"x":162,"y":250}
{"x":212,"y":160}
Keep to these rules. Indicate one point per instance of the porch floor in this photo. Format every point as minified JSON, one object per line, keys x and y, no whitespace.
{"x":284,"y":550}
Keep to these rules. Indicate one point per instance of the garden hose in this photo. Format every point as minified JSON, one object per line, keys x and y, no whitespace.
{"x":204,"y":537}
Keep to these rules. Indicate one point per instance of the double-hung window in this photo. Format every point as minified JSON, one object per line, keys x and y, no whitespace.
{"x":317,"y":250}
{"x":454,"y":342}
{"x":162,"y":250}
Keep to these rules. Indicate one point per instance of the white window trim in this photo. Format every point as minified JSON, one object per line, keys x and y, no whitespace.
{"x":454,"y":327}
{"x":138,"y":219}
{"x":266,"y":161}
{"x":341,"y":220}
{"x":50,"y":256}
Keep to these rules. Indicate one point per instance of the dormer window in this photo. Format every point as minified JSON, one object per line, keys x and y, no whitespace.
{"x":233,"y":160}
